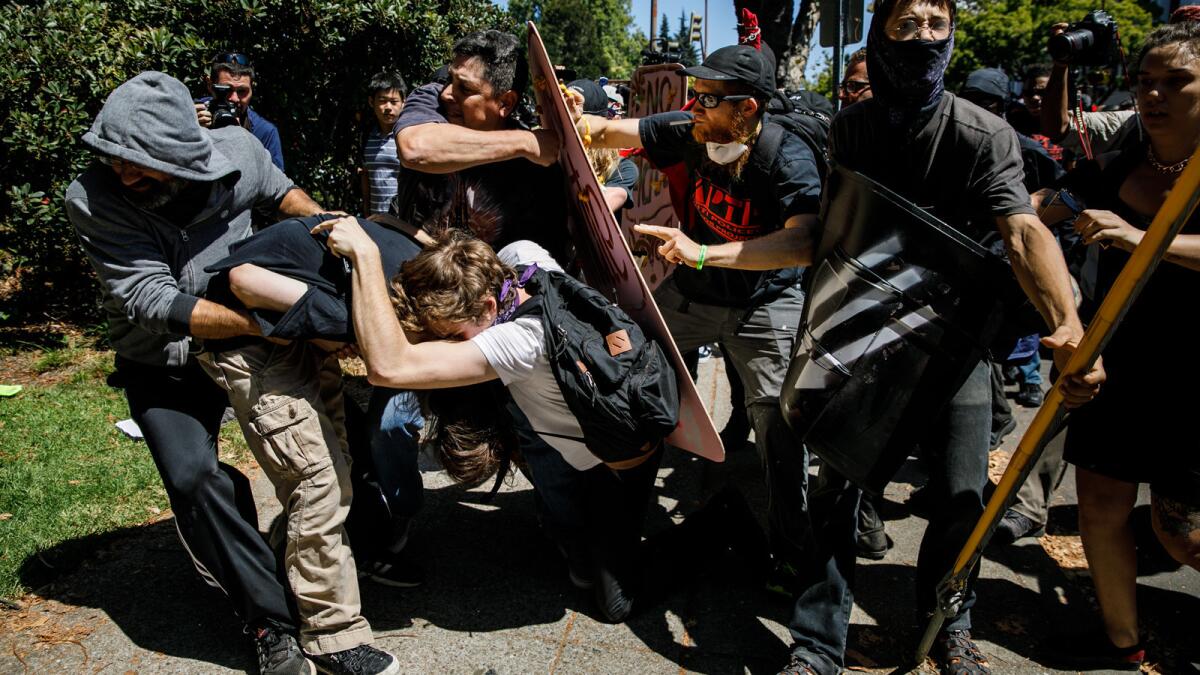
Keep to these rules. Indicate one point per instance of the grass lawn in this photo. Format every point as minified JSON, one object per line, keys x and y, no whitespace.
{"x":65,"y":470}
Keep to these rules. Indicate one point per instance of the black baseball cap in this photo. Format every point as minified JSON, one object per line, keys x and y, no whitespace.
{"x":737,"y":63}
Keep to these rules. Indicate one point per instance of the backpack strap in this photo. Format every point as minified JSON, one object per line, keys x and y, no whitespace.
{"x":766,"y":148}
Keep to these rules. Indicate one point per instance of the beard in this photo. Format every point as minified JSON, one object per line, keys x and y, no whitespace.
{"x":742,"y":129}
{"x":157,"y":193}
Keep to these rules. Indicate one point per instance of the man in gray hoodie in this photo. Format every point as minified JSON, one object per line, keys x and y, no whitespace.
{"x":165,"y":199}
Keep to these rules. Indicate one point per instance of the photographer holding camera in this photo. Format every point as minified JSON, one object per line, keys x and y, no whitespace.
{"x":231,"y":86}
{"x":1090,"y":42}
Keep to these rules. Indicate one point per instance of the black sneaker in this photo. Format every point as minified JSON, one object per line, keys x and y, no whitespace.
{"x":360,"y":660}
{"x":1030,"y":396}
{"x":615,"y":604}
{"x":956,"y":654}
{"x":395,"y":569}
{"x":796,"y":665}
{"x":278,"y":651}
{"x":1014,"y":526}
{"x":998,"y":435}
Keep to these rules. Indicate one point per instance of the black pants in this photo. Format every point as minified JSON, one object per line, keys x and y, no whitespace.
{"x":179,"y":411}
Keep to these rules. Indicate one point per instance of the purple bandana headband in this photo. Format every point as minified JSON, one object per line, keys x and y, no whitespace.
{"x":506,"y":312}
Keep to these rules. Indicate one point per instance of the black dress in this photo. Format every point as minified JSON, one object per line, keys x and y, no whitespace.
{"x":1141,"y":426}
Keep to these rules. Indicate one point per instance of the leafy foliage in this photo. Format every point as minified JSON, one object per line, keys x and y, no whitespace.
{"x":313,"y":57}
{"x":1011,"y":34}
{"x":593,"y":37}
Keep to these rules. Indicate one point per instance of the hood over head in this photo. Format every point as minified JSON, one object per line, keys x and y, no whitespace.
{"x":150,"y":121}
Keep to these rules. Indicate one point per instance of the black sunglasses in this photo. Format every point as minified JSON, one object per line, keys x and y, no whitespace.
{"x":854,"y":86}
{"x":713,"y":100}
{"x":232,"y":57}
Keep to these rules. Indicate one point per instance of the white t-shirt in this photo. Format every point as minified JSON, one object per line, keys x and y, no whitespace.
{"x":516,"y":350}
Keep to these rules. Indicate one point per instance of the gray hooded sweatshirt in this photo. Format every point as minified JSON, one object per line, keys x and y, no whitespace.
{"x":151,"y":270}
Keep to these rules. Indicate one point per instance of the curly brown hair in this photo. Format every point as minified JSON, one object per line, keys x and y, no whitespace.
{"x":448,"y":282}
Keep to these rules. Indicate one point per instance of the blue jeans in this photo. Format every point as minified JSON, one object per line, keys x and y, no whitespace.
{"x":955,"y":454}
{"x":395,"y":422}
{"x":1031,"y":369}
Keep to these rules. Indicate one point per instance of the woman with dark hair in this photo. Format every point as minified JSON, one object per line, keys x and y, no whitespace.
{"x":1138,"y":428}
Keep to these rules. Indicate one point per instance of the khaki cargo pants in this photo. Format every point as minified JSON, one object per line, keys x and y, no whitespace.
{"x":288,"y":400}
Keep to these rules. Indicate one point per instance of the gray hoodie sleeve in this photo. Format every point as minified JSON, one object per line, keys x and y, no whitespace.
{"x":132,"y":268}
{"x":265,"y":181}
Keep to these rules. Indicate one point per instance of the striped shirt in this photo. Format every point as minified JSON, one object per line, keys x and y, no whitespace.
{"x":383,"y":169}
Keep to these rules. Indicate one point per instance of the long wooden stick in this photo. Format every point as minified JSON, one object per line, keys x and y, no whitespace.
{"x":1171,"y":218}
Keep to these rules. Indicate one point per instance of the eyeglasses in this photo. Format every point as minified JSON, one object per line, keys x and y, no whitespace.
{"x":234,"y":58}
{"x":909,"y":29}
{"x":713,"y":100}
{"x":853,"y":87}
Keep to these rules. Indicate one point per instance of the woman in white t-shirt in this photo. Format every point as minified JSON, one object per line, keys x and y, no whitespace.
{"x":455,"y":298}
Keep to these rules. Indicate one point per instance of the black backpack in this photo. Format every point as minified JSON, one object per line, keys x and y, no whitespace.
{"x":801,"y":113}
{"x":619,"y":385}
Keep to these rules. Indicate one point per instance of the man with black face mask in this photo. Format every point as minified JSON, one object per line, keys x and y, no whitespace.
{"x":962,"y":165}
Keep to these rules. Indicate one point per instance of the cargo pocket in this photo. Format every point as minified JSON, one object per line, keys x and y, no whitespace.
{"x":291,"y":435}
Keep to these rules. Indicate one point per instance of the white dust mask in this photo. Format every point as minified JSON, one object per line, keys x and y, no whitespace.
{"x":725,"y":153}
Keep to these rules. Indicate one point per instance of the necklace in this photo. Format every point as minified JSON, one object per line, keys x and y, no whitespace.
{"x":1164,"y":168}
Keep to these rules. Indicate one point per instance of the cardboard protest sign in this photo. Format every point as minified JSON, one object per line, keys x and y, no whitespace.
{"x":608,"y":264}
{"x":654,"y":89}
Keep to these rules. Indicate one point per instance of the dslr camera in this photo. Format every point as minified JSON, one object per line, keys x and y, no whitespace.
{"x":1091,"y":42}
{"x":225,"y":113}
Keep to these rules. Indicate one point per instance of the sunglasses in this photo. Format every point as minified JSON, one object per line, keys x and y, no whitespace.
{"x":854,"y":86}
{"x":232,"y":57}
{"x":713,"y":100}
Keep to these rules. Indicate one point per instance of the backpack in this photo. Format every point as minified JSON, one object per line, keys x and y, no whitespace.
{"x":801,"y":113}
{"x":618,"y":384}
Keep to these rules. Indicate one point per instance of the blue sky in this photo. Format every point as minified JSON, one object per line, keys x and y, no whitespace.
{"x":722,"y":29}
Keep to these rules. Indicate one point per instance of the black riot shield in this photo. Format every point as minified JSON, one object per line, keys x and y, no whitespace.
{"x":900,"y":309}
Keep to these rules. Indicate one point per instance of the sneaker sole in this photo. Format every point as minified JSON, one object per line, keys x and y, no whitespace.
{"x":392,"y":669}
{"x":392,"y":582}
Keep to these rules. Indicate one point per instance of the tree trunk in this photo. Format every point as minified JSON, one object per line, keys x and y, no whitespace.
{"x":792,"y":66}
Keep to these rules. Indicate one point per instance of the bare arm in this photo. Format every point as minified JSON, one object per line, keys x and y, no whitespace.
{"x":1099,"y":226}
{"x":297,"y":203}
{"x":606,"y":133}
{"x":1038,"y":263}
{"x":446,"y":148}
{"x":614,"y":197}
{"x":391,"y":359}
{"x":1055,"y":116}
{"x":790,"y":247}
{"x":213,"y":321}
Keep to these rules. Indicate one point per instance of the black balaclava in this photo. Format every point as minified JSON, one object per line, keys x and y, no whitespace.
{"x":907,"y":77}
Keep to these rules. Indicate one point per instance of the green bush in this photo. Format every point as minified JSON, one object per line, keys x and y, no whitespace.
{"x":313,"y":57}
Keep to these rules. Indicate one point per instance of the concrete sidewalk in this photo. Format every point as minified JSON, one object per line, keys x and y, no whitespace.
{"x":498,"y":599}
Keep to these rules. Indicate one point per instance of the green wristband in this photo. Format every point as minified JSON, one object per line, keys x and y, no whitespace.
{"x":703,"y":252}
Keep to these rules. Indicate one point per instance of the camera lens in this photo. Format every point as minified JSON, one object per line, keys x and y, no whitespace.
{"x":1064,"y":46}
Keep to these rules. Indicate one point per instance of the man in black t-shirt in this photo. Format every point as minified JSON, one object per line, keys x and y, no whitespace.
{"x":963,"y":165}
{"x":746,"y":229}
{"x":454,"y":138}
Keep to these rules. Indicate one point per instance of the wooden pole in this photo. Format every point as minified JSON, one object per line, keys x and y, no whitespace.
{"x":1174,"y":214}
